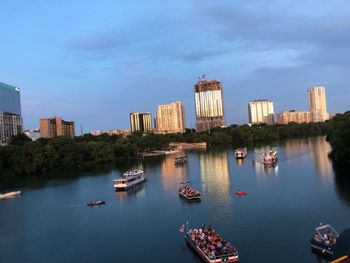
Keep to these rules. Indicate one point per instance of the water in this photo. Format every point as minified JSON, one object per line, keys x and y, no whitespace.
{"x":50,"y":222}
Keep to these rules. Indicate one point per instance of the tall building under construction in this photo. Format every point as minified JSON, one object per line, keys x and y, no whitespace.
{"x":209,"y":105}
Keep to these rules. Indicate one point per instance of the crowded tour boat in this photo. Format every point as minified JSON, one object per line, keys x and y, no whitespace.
{"x":130,"y":179}
{"x":270,"y":158}
{"x":98,"y":202}
{"x":241,"y":153}
{"x":8,"y":195}
{"x":324,"y":240}
{"x":210,"y":246}
{"x":188,"y":192}
{"x":180,"y":160}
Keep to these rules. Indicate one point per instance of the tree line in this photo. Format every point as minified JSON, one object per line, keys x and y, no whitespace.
{"x":339,"y":138}
{"x":25,"y":157}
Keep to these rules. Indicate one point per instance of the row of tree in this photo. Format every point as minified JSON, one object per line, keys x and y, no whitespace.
{"x":25,"y":157}
{"x":339,"y":138}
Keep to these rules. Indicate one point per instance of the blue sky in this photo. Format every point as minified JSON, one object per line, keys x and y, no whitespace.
{"x":95,"y":61}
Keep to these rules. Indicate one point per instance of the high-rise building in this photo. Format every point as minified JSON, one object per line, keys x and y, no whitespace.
{"x":170,"y":118}
{"x":293,"y":116}
{"x":11,"y":122}
{"x":140,"y":121}
{"x":10,"y":99}
{"x":209,"y":105}
{"x":317,"y":104}
{"x":54,"y":127}
{"x":10,"y":125}
{"x":261,"y":111}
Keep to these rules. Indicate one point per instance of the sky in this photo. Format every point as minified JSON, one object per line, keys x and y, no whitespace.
{"x":94,"y":62}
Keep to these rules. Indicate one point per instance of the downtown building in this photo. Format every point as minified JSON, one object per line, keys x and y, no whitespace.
{"x":11,"y":122}
{"x":286,"y":117}
{"x":261,"y":111}
{"x":209,"y":105}
{"x":141,"y":122}
{"x":55,"y":127}
{"x":170,"y":118}
{"x":317,"y":104}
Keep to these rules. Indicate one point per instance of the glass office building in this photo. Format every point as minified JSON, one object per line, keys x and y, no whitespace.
{"x":10,"y":100}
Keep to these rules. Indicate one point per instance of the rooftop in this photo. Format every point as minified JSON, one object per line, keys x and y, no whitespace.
{"x":6,"y":86}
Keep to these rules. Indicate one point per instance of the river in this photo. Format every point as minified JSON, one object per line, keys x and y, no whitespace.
{"x":50,"y":221}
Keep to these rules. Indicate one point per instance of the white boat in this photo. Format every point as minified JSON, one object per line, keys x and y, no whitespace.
{"x":130,"y":179}
{"x":241,"y":153}
{"x":9,"y":194}
{"x":270,"y":158}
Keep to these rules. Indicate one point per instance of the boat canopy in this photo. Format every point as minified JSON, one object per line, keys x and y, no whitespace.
{"x":323,"y":230}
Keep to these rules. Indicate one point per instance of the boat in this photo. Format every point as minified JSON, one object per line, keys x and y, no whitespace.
{"x":180,"y":160}
{"x":7,"y":195}
{"x":241,"y":153}
{"x":98,"y":202}
{"x":270,"y":158}
{"x":324,"y":240}
{"x":188,"y":192}
{"x":223,"y":251}
{"x":240,"y":193}
{"x":130,"y":179}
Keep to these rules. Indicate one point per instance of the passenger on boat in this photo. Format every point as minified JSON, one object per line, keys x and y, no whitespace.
{"x":210,"y":243}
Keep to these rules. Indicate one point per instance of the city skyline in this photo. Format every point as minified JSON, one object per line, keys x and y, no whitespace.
{"x":99,"y":67}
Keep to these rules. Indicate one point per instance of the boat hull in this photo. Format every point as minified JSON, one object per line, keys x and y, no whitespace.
{"x":200,"y":253}
{"x":10,"y":195}
{"x":126,"y":187}
{"x":190,"y":199}
{"x":321,"y":248}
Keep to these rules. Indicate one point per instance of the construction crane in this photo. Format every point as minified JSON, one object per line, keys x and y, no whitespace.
{"x":202,"y":77}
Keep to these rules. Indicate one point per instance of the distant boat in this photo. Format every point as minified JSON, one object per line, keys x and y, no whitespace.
{"x":188,"y":192}
{"x":270,"y":158}
{"x":240,"y":193}
{"x":241,"y":153}
{"x":98,"y":202}
{"x":10,"y":194}
{"x":180,"y":160}
{"x":130,"y":179}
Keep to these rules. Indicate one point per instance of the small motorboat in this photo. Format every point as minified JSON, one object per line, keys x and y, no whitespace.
{"x":240,"y":193}
{"x":7,"y":195}
{"x":324,"y":240}
{"x":98,"y":202}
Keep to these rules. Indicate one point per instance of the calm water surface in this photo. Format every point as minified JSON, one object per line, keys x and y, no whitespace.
{"x":50,"y":222}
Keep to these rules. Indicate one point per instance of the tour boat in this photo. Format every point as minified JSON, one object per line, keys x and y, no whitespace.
{"x":188,"y":192}
{"x":241,"y":153}
{"x":98,"y":202}
{"x":324,"y":240}
{"x":130,"y":179}
{"x":270,"y":158}
{"x":209,"y":253}
{"x":240,"y":193}
{"x":10,"y":194}
{"x":180,"y":160}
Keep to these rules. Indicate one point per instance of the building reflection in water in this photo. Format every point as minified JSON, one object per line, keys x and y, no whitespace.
{"x":173,"y":175}
{"x":214,"y":171}
{"x":318,"y":147}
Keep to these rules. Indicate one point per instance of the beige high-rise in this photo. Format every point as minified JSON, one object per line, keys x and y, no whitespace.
{"x":261,"y":111}
{"x":170,"y":118}
{"x":54,"y":127}
{"x":317,"y":104}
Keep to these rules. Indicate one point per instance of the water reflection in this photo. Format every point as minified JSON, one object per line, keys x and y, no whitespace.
{"x":240,"y":162}
{"x":318,"y":147}
{"x":342,"y":182}
{"x":172,"y":175}
{"x":214,"y":171}
{"x":133,"y":193}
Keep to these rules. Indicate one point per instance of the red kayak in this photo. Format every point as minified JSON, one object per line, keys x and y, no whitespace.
{"x":240,"y":193}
